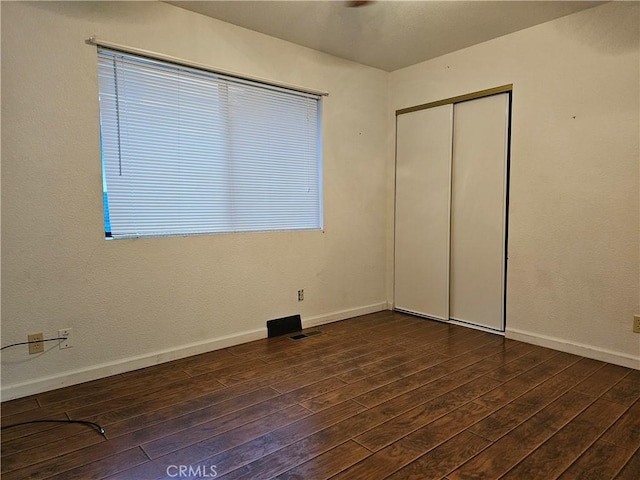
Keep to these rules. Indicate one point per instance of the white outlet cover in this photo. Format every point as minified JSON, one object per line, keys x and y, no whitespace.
{"x":68,"y":343}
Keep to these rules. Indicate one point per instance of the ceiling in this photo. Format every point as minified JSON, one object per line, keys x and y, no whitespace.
{"x":386,"y":34}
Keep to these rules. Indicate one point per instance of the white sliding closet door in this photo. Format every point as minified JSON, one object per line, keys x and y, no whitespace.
{"x":478,"y":211}
{"x":423,"y":171}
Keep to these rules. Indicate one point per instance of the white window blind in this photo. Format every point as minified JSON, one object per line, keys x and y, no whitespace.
{"x":186,"y":151}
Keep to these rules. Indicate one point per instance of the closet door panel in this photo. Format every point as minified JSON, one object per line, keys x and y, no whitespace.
{"x":423,"y":169}
{"x":478,"y":211}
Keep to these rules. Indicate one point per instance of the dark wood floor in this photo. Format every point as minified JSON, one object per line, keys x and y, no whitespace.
{"x":385,"y":395}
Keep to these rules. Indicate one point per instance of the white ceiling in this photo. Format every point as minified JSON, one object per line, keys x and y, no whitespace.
{"x":388,"y":34}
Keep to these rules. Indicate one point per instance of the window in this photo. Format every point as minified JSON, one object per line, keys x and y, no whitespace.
{"x":186,"y":151}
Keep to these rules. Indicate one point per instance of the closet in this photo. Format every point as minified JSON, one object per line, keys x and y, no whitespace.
{"x":452,"y":164}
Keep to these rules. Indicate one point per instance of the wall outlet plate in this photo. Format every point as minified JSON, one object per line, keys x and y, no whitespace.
{"x":636,"y":323}
{"x":35,"y":347}
{"x":68,"y":340}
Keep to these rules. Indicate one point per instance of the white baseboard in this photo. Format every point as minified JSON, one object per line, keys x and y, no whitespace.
{"x":128,"y":364}
{"x":133,"y":363}
{"x":343,"y":314}
{"x":588,"y":351}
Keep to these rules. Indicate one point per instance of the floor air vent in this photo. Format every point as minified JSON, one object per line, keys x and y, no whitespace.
{"x":300,"y":336}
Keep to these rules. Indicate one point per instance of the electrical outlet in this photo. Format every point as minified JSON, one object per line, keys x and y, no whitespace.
{"x":37,"y":347}
{"x":636,"y":323}
{"x":68,"y":339}
{"x":300,"y":295}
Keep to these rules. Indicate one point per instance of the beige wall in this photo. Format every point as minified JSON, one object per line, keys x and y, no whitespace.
{"x":573,"y":277}
{"x":134,"y":302}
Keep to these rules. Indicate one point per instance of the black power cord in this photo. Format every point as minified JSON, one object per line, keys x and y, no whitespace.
{"x":83,"y":422}
{"x":33,"y":341}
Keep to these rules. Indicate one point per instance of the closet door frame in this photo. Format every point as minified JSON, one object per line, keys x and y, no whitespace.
{"x":508,"y":89}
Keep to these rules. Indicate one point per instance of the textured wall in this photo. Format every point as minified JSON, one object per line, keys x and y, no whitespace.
{"x":573,"y":275}
{"x":128,"y":299}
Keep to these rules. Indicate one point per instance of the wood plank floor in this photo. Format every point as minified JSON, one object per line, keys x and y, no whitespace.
{"x":380,"y":396}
